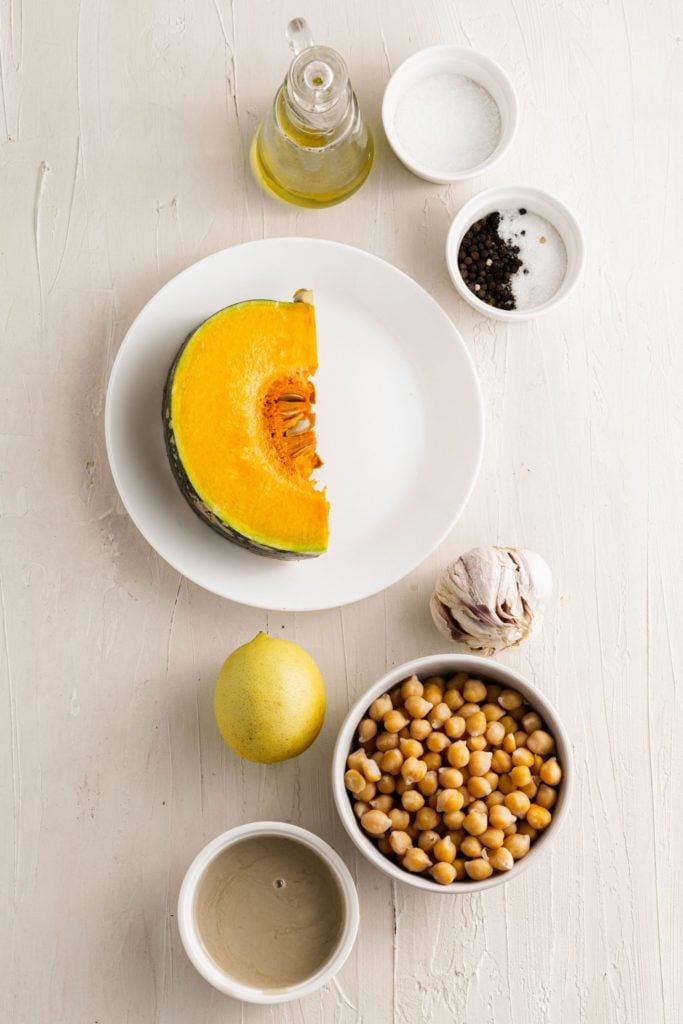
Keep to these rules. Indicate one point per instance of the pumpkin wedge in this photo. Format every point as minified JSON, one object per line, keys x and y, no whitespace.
{"x":239,"y":426}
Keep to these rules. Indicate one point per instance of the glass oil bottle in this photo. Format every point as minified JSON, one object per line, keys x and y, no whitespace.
{"x":314,"y":148}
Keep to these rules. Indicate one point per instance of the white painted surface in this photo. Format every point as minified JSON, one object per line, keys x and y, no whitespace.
{"x":124,"y":131}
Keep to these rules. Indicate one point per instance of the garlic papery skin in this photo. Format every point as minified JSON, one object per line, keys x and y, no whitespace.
{"x":491,"y":598}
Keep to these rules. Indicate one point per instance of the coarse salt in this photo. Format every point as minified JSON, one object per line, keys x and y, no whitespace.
{"x":543,"y":255}
{"x":447,"y":122}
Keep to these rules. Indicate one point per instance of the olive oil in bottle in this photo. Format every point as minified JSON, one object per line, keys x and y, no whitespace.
{"x":314,"y":148}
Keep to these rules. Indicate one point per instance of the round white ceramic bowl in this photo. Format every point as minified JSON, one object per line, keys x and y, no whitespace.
{"x":448,"y":665}
{"x":463,"y":61}
{"x":194,"y":948}
{"x":517,"y":197}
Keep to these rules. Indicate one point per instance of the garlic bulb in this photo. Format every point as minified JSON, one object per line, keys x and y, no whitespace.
{"x":491,"y":598}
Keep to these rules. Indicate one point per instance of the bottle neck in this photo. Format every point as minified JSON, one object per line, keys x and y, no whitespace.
{"x":317,"y":92}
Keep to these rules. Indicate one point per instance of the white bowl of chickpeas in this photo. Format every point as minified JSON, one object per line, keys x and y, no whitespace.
{"x":452,"y":773}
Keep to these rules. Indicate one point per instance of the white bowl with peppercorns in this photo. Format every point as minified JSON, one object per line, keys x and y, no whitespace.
{"x":452,"y":773}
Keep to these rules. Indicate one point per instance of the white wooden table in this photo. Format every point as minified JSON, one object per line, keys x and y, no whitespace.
{"x":124,"y":131}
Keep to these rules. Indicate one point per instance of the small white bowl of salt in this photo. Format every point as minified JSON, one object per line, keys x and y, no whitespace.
{"x":449,"y":113}
{"x":514,"y":252}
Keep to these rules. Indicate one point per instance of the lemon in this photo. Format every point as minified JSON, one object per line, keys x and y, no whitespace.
{"x":269,"y":700}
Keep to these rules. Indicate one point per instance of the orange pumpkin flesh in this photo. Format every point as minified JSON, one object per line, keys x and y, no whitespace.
{"x":239,"y":427}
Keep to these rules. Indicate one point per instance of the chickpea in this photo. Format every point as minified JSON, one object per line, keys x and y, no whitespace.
{"x":401,"y":786}
{"x":479,"y":787}
{"x":454,"y":727}
{"x":493,"y":691}
{"x":412,"y":800}
{"x":466,"y":710}
{"x":367,"y":792}
{"x":509,"y":724}
{"x":550,"y":772}
{"x":429,"y":785}
{"x":375,"y":822}
{"x":377,"y":756}
{"x":518,"y":845}
{"x":520,"y":776}
{"x":475,"y":823}
{"x":476,"y":724}
{"x":443,"y":873}
{"x":478,"y":869}
{"x":354,"y":781}
{"x":478,"y":807}
{"x":450,"y":778}
{"x":382,"y":803}
{"x":471,"y":847}
{"x":449,"y":800}
{"x":371,"y":770}
{"x":417,"y":706}
{"x":522,"y":756}
{"x":509,"y":743}
{"x":457,"y":681}
{"x":367,"y":730}
{"x":356,"y":759}
{"x":546,"y":796}
{"x":541,"y":742}
{"x":439,"y":714}
{"x":456,"y":835}
{"x":400,"y":842}
{"x":383,"y":846}
{"x":416,"y":860}
{"x":427,"y":819}
{"x":433,"y":693}
{"x":495,"y":733}
{"x":492,"y":838}
{"x":537,"y":765}
{"x":432,"y":760}
{"x":454,"y":699}
{"x":459,"y":868}
{"x":521,"y":737}
{"x":474,"y":691}
{"x":531,"y":721}
{"x":391,"y":762}
{"x":413,"y":831}
{"x":387,"y":741}
{"x":436,"y":742}
{"x":411,"y":688}
{"x":494,"y":799}
{"x":538,"y":817}
{"x":395,"y":694}
{"x":386,"y":784}
{"x":453,"y":819}
{"x":360,"y":807}
{"x":380,"y":707}
{"x":501,"y":816}
{"x":419,"y":729}
{"x":531,"y":789}
{"x":428,"y":839}
{"x":399,"y":819}
{"x":501,"y":762}
{"x":501,"y":859}
{"x":510,"y":700}
{"x":444,"y":849}
{"x":410,"y":747}
{"x":476,"y":742}
{"x":413,"y":770}
{"x":493,"y":712}
{"x":394,"y":721}
{"x":457,"y":754}
{"x":518,"y":803}
{"x":480,"y":762}
{"x":505,"y":784}
{"x":525,"y":829}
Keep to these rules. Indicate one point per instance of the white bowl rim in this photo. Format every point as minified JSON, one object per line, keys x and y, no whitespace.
{"x":440,"y":175}
{"x":473,"y":209}
{"x":437,"y":664}
{"x":221,"y":980}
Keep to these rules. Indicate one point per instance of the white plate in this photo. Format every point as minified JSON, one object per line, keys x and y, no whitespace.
{"x":400,"y":422}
